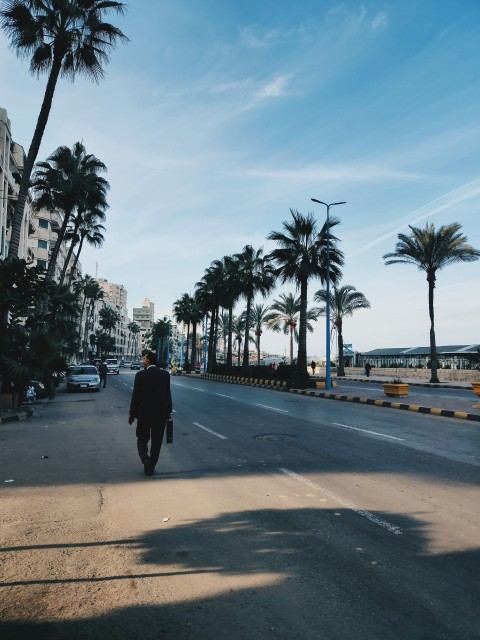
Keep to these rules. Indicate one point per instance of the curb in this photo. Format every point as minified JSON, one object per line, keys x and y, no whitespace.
{"x":444,"y":413}
{"x":16,"y":416}
{"x":281,"y":386}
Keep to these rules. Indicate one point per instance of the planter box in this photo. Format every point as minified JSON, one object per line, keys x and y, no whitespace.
{"x":321,"y":385}
{"x":395,"y":389}
{"x":476,"y":388}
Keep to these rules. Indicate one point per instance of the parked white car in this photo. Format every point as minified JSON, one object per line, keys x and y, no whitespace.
{"x":83,"y":377}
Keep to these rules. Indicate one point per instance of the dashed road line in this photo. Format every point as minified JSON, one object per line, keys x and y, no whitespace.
{"x":345,"y":503}
{"x":214,"y":433}
{"x":375,"y":433}
{"x":266,"y":406}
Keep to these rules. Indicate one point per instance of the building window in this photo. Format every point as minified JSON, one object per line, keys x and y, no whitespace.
{"x":42,"y":223}
{"x":42,"y":244}
{"x":42,"y":264}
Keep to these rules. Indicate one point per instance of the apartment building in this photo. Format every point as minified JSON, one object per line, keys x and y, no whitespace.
{"x":12,"y":158}
{"x":144,"y":317}
{"x":115,"y":296}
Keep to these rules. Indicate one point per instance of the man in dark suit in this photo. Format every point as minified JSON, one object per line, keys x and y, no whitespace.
{"x":151,"y":404}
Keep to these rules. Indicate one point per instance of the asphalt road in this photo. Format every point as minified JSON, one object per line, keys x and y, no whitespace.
{"x":272,"y":515}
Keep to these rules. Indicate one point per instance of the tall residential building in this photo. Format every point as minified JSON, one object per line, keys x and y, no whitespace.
{"x":12,"y":159}
{"x":115,"y":296}
{"x":143,"y":316}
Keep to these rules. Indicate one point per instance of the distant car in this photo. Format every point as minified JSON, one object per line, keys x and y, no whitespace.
{"x":112,"y":365}
{"x":83,"y":378}
{"x":135,"y":365}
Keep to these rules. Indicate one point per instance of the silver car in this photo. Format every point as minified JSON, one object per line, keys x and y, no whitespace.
{"x":83,"y":377}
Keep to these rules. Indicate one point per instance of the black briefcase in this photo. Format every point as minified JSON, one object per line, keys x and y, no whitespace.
{"x":169,"y":431}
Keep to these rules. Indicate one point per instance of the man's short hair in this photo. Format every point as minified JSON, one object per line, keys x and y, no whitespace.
{"x":151,"y":357}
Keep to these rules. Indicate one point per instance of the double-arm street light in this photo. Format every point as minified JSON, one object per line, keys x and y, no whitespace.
{"x":328,"y":375}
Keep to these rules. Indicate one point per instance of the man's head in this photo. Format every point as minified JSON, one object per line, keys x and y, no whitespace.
{"x":150,"y":357}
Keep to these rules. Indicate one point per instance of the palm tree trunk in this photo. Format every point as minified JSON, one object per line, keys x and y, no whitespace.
{"x":341,"y":360}
{"x":302,"y":373}
{"x":211,"y":340}
{"x":258,"y":349}
{"x":42,"y":120}
{"x":77,"y":256}
{"x":194,"y":344}
{"x":247,"y":332}
{"x":291,"y":344}
{"x":67,"y":260}
{"x":187,"y":364}
{"x":229,"y":349}
{"x":433,"y":345}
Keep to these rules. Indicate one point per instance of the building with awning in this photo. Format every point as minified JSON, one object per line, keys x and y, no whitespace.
{"x":449,"y":357}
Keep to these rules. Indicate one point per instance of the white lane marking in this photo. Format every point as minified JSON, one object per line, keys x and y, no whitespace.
{"x":222,"y":395}
{"x":375,"y":433}
{"x":348,"y":505}
{"x":197,"y":389}
{"x":214,"y":433}
{"x":265,"y":406}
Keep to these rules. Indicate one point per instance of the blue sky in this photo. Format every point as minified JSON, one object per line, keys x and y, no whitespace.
{"x":219,"y":117}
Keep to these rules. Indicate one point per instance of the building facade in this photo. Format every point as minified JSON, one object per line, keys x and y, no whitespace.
{"x":12,"y":158}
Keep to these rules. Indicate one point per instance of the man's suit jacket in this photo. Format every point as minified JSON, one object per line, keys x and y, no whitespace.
{"x":151,"y":398}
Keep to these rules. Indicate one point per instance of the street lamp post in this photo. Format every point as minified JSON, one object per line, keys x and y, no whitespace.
{"x":328,"y":375}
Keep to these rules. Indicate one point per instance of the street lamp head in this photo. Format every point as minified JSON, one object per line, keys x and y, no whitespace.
{"x":325,"y":204}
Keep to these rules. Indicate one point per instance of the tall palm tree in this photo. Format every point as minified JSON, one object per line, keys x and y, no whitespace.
{"x":301,"y":256}
{"x":255,"y":275}
{"x":343,"y":302}
{"x":80,"y":225}
{"x":431,"y":250}
{"x":230,"y":293}
{"x":63,"y":38}
{"x":238,"y":328}
{"x":284,"y":315}
{"x":66,"y":182}
{"x":182,"y":311}
{"x":91,"y":231}
{"x":133,"y":331}
{"x":258,"y":318}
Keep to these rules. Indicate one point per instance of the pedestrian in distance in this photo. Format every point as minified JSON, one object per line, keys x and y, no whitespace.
{"x":368,"y":366}
{"x":151,"y":406}
{"x":313,"y":364}
{"x":103,"y":370}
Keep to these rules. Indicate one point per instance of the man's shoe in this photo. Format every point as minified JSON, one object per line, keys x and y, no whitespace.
{"x":148,"y":467}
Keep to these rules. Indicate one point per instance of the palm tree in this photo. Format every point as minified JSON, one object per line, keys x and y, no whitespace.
{"x":343,"y":302}
{"x":182,"y":312}
{"x":133,"y":331}
{"x":255,"y":275}
{"x":64,"y":38}
{"x":431,"y":250}
{"x":283,"y":316}
{"x":82,"y":223}
{"x":230,"y":292}
{"x":302,"y":255}
{"x":92,"y":293}
{"x":69,"y":181}
{"x":258,"y":318}
{"x":238,"y":328}
{"x":91,"y":231}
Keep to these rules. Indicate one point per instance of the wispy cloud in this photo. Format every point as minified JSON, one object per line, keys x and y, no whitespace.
{"x":447,"y":200}
{"x":344,"y":172}
{"x":273,"y":88}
